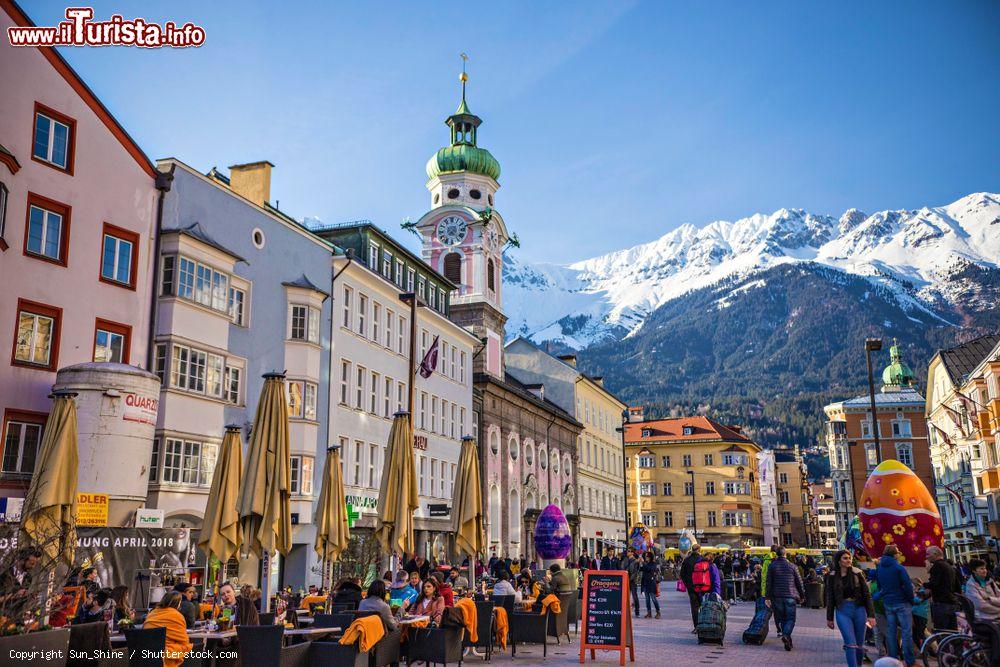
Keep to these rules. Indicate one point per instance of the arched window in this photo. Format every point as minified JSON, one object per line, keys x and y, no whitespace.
{"x":490,"y":276}
{"x":494,"y":513}
{"x":453,"y":267}
{"x":904,"y":454}
{"x":514,"y":531}
{"x":495,"y":442}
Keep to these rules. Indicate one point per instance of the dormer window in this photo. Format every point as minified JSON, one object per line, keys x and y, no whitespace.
{"x":647,"y":433}
{"x":688,"y":430}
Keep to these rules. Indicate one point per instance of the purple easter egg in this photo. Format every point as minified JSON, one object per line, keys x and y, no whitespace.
{"x":552,"y":537}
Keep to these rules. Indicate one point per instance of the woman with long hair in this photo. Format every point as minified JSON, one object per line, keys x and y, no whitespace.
{"x":849,"y":603}
{"x":123,"y":610}
{"x":246,"y":609}
{"x":167,"y":614}
{"x":429,"y":602}
{"x":648,"y":583}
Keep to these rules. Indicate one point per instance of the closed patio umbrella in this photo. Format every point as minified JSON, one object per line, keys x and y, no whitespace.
{"x":265,"y":488}
{"x":332,"y":531}
{"x":397,"y":497}
{"x":467,"y":506}
{"x":221,"y":532}
{"x":48,"y":521}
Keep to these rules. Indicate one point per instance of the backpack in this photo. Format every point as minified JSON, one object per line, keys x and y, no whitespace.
{"x":701,"y":578}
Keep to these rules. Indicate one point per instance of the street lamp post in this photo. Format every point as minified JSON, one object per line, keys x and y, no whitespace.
{"x":624,"y":474}
{"x":873,"y":345}
{"x":694,"y":505}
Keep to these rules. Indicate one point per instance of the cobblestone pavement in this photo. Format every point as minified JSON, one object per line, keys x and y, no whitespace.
{"x":669,"y":641}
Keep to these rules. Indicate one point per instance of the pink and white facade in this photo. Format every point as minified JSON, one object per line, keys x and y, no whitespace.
{"x":78,"y":202}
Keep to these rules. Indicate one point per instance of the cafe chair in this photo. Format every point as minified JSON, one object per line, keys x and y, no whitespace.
{"x":435,"y":645}
{"x":484,"y":628}
{"x":140,"y":643}
{"x":260,"y":645}
{"x":339,"y":620}
{"x":505,"y":601}
{"x":343,"y":606}
{"x":88,"y":639}
{"x":267,"y":618}
{"x":559,"y":623}
{"x":529,"y":627}
{"x":388,"y":649}
{"x":335,"y":654}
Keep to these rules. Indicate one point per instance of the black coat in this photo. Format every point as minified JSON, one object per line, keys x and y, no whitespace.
{"x":833,"y":591}
{"x":687,"y":569}
{"x":348,"y":593}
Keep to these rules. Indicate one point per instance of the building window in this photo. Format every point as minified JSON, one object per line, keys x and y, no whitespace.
{"x":689,"y":519}
{"x":376,"y":321}
{"x":668,"y":489}
{"x":734,"y":459}
{"x":3,"y":210}
{"x":345,"y":381}
{"x":737,"y":488}
{"x":36,"y":336}
{"x":346,"y":323}
{"x":432,"y":297}
{"x":301,"y":399}
{"x":160,"y":361}
{"x":709,"y":459}
{"x":359,"y":447}
{"x":409,"y":279}
{"x":359,"y":389}
{"x":373,"y":257}
{"x":22,"y":435}
{"x":233,"y":379}
{"x":453,"y":267}
{"x":729,"y":519}
{"x":304,"y":323}
{"x":434,"y":410}
{"x":52,"y":142}
{"x":783,"y":497}
{"x":786,"y":518}
{"x":390,"y":319}
{"x":47,"y":229}
{"x":649,"y":520}
{"x":782,"y":478}
{"x":688,"y":488}
{"x":187,"y":462}
{"x":119,"y":257}
{"x":400,"y":333}
{"x":490,"y":279}
{"x":904,"y":453}
{"x":387,"y":265}
{"x":421,"y":288}
{"x":301,"y":481}
{"x":644,"y":461}
{"x":362,"y":314}
{"x":668,"y":519}
{"x":647,"y":488}
{"x":712,"y":520}
{"x":710,"y":488}
{"x":399,"y":273}
{"x":871,"y":455}
{"x":686,"y":460}
{"x":387,"y":398}
{"x":666,"y":461}
{"x":154,"y":462}
{"x":373,"y":393}
{"x":237,"y":299}
{"x":196,"y":282}
{"x":112,"y":342}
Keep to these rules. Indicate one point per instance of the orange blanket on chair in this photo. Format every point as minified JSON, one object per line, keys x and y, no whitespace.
{"x":178,"y":643}
{"x":551,"y":602}
{"x":312,"y":599}
{"x":502,"y":626}
{"x":367,"y":631}
{"x":468,"y":608}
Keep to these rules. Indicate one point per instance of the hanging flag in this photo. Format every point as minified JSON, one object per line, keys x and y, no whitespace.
{"x":955,"y":417}
{"x":957,"y":497}
{"x":970,"y":405}
{"x":430,"y":361}
{"x":943,"y":435}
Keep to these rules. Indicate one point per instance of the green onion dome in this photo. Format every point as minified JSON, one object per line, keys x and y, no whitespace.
{"x":463,"y":157}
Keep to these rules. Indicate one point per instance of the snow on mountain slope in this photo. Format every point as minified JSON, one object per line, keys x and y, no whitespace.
{"x":914,"y":253}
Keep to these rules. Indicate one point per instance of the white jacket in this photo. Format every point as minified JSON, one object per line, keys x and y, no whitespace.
{"x":985,"y":599}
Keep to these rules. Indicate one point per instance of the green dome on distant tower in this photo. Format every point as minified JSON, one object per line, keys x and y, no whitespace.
{"x":897,"y":373}
{"x":463,"y":154}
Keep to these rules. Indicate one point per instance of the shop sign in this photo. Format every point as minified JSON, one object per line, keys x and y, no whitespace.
{"x":140,"y":409}
{"x":438,"y":510}
{"x":420,"y":442}
{"x":91,"y":509}
{"x":148,"y":518}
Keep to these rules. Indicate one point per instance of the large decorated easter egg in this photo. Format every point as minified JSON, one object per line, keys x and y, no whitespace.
{"x":640,"y":539}
{"x":553,"y":540}
{"x":896,"y":508}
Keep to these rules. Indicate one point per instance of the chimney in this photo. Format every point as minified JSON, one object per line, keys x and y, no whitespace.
{"x":569,"y":359}
{"x":252,"y":181}
{"x":598,"y":380}
{"x":636,"y":414}
{"x":736,"y":428}
{"x":536,"y":389}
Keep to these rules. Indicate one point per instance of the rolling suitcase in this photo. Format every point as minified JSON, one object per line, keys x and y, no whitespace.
{"x":759,"y":624}
{"x":712,"y":620}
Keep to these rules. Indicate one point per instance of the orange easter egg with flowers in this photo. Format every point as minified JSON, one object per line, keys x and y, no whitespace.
{"x":896,"y":508}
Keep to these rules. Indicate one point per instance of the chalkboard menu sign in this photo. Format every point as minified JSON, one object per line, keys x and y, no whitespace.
{"x":607,"y":624}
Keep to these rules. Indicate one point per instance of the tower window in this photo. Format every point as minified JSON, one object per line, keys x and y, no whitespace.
{"x":475,"y":194}
{"x":490,"y":280}
{"x":437,"y":197}
{"x":453,"y":193}
{"x":489,"y":198}
{"x":453,"y":267}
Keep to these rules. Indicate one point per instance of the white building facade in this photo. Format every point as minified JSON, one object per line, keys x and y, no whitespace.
{"x":768,"y":496}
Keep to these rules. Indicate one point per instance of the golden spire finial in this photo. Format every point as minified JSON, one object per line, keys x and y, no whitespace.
{"x":463,"y":77}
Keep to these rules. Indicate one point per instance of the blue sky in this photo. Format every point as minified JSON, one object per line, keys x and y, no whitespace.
{"x":613,"y":122}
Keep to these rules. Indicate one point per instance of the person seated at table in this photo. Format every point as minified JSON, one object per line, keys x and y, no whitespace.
{"x":98,"y":607}
{"x":348,"y":592}
{"x":375,"y":601}
{"x":123,"y":610}
{"x":248,"y":591}
{"x":444,"y":588}
{"x":402,"y":592}
{"x":528,"y":588}
{"x":167,"y":615}
{"x":559,"y":581}
{"x":457,"y":579}
{"x":428,"y":603}
{"x":189,"y":610}
{"x":983,"y":592}
{"x":246,"y":610}
{"x":504,"y":587}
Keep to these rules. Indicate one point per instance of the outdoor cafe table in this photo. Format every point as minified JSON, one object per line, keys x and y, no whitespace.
{"x":527,"y":603}
{"x":739,"y":586}
{"x":306,"y":620}
{"x":414,"y":619}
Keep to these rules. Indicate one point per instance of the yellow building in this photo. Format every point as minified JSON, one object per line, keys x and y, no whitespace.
{"x":693,"y":473}
{"x":795,"y":524}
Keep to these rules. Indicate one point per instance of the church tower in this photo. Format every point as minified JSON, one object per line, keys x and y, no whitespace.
{"x":463,"y":235}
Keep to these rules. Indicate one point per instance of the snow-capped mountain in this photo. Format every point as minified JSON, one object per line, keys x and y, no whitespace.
{"x":927,"y":260}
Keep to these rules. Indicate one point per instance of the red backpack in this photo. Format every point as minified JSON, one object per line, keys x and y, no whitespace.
{"x":701,"y":577}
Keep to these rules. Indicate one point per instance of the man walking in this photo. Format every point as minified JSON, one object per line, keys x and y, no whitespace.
{"x":764,"y":565}
{"x":941,"y":587}
{"x":783,"y":590}
{"x":632,"y":565}
{"x":687,"y":578}
{"x":896,"y":592}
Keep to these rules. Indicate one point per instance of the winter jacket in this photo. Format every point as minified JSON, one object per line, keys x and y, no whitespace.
{"x":650,"y":573}
{"x":833,"y":589}
{"x":943,"y":582}
{"x":716,"y":577}
{"x":634,"y":569}
{"x":985,"y":598}
{"x":764,"y":567}
{"x":783,"y":580}
{"x":687,"y":569}
{"x":894,"y":585}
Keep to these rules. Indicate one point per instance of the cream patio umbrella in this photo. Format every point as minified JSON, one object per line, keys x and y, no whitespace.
{"x":221,"y":533}
{"x":265,"y":488}
{"x":397,"y":497}
{"x":48,"y":521}
{"x":467,"y":506}
{"x":332,"y":530}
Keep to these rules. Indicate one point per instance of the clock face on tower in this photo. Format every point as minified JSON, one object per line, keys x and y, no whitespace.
{"x":451,"y":230}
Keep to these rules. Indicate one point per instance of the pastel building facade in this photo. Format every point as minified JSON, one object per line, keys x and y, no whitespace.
{"x":77,"y":228}
{"x":242,"y":290}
